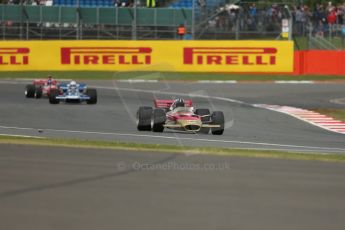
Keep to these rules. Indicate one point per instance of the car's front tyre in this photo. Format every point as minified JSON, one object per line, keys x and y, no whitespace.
{"x":159,"y":118}
{"x":144,"y":116}
{"x":52,"y":97}
{"x":38,"y":92}
{"x":30,"y":91}
{"x":92,"y":93}
{"x":217,"y":118}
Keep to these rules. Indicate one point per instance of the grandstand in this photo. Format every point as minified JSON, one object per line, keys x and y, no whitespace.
{"x":84,"y":3}
{"x":211,"y":4}
{"x":120,"y":19}
{"x":109,"y":19}
{"x":187,"y":4}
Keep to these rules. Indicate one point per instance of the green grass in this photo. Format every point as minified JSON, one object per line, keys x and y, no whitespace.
{"x":301,"y":43}
{"x":171,"y":149}
{"x":335,"y":113}
{"x":168,"y":76}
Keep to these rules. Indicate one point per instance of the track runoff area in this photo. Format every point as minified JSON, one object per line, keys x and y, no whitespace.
{"x":253,"y":119}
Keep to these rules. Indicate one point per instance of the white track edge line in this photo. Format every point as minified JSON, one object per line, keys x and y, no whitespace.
{"x":170,"y":137}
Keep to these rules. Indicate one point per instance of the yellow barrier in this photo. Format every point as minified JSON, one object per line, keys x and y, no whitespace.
{"x":180,"y":56}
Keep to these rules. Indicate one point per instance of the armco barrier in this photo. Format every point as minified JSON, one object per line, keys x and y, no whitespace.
{"x":180,"y":56}
{"x":319,"y":62}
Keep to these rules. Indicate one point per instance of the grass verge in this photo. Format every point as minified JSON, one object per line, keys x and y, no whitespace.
{"x":169,"y":76}
{"x":171,"y":149}
{"x":301,"y":43}
{"x":338,"y":114}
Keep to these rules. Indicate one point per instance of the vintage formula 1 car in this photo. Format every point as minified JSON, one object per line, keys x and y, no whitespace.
{"x":179,"y":115}
{"x":40,"y":88}
{"x":73,"y":92}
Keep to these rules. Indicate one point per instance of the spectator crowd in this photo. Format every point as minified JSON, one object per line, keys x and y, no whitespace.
{"x":321,"y":19}
{"x":116,"y":3}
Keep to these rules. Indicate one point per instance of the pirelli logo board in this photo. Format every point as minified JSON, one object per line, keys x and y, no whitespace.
{"x":179,"y":56}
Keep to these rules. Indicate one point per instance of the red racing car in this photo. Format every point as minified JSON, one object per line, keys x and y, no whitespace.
{"x":179,"y":115}
{"x":40,"y":88}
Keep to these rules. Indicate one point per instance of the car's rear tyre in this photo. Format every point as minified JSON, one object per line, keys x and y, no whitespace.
{"x":30,"y":91}
{"x":217,"y":118}
{"x":204,"y":120}
{"x":52,"y":97}
{"x":159,"y":118}
{"x":144,"y":115}
{"x":92,"y":93}
{"x":38,"y":92}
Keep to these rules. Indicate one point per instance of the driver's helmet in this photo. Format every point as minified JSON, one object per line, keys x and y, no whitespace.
{"x":50,"y":80}
{"x":73,"y":84}
{"x":179,"y":103}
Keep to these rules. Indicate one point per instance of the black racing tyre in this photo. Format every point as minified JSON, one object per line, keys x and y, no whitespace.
{"x":204,"y":120}
{"x":30,"y":91}
{"x":38,"y":92}
{"x":159,"y":118}
{"x":144,"y":115}
{"x":92,"y":93}
{"x":217,"y":118}
{"x":52,"y":97}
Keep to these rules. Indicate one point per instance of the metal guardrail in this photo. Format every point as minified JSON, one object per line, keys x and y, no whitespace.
{"x":105,"y":16}
{"x":39,"y":22}
{"x":42,"y":22}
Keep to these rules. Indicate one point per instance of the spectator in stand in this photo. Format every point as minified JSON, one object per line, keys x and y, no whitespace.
{"x":320,"y":19}
{"x":49,"y":3}
{"x":299,"y":20}
{"x":275,"y":13}
{"x":319,"y":30}
{"x":340,"y":14}
{"x":122,"y":3}
{"x":253,"y":17}
{"x":319,"y":14}
{"x":329,"y":7}
{"x":332,"y":17}
{"x":332,"y":20}
{"x":202,"y":4}
{"x":343,"y":12}
{"x":222,"y":20}
{"x":253,"y":10}
{"x":308,"y":15}
{"x":232,"y":17}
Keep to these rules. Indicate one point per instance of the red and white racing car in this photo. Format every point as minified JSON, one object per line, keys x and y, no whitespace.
{"x":40,"y":87}
{"x":179,"y":115}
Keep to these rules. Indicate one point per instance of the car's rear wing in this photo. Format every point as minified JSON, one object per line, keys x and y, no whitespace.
{"x":168,"y":103}
{"x":43,"y":82}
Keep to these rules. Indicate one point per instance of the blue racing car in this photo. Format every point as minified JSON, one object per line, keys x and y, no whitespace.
{"x":73,"y":92}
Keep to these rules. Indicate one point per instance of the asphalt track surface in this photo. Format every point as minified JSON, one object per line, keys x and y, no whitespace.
{"x":113,"y":118}
{"x":70,"y":188}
